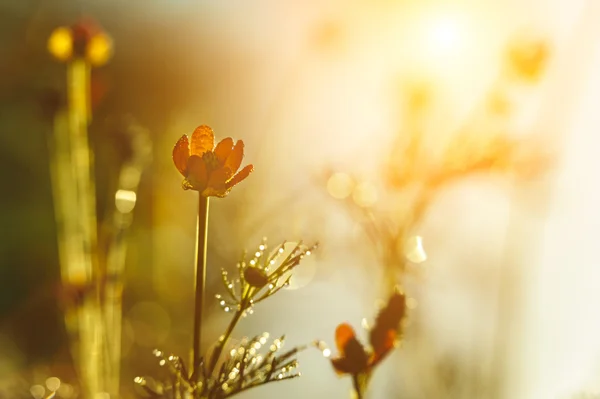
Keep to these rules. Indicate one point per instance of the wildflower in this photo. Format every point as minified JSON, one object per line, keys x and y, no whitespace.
{"x":527,"y":58}
{"x":208,"y":169}
{"x":84,"y":39}
{"x":354,"y":359}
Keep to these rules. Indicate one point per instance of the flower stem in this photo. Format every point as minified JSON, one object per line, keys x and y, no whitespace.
{"x":222,"y":342}
{"x":201,"y":249}
{"x":357,"y":386}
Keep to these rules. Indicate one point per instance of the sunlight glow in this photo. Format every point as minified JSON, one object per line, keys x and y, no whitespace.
{"x":445,"y":36}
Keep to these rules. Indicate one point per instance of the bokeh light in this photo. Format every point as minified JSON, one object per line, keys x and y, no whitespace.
{"x":60,"y":44}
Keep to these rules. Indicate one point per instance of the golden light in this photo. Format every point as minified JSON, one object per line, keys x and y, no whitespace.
{"x":37,"y":391}
{"x":340,"y":185}
{"x":60,"y":44}
{"x":414,"y":251}
{"x":125,"y":200}
{"x":99,"y":49}
{"x":66,"y":391}
{"x":365,"y":194}
{"x":445,"y":35}
{"x":53,"y":384}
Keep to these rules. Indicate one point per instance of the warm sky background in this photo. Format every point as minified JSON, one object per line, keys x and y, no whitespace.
{"x":508,"y":294}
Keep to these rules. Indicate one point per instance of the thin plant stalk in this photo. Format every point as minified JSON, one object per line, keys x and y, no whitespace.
{"x":125,"y":200}
{"x":82,"y":268}
{"x":201,"y":249}
{"x":214,"y":359}
{"x":357,"y":387}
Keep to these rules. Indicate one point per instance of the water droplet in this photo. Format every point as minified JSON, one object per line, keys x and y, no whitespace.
{"x":326,"y":352}
{"x":53,"y":384}
{"x":414,"y":251}
{"x":364,"y":323}
{"x":125,"y":200}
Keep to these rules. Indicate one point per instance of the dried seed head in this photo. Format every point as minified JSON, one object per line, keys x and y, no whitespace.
{"x":255,"y":277}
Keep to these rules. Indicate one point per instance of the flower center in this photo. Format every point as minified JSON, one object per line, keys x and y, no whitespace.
{"x":211,"y":161}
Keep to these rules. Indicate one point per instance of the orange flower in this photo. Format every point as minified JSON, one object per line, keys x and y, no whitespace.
{"x":208,"y":169}
{"x":354,"y":359}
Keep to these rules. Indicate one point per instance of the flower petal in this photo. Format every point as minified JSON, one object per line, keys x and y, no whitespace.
{"x":234,"y":160}
{"x":381,"y":352}
{"x":343,"y":334}
{"x":203,"y":139}
{"x":342,"y":365}
{"x":387,"y":323}
{"x":181,"y":153}
{"x":197,"y":175}
{"x":242,"y":174}
{"x":213,"y":192}
{"x":216,"y":185}
{"x":353,"y":357}
{"x":223,"y":149}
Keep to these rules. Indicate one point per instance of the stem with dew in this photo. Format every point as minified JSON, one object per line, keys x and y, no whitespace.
{"x":201,"y":249}
{"x":214,"y":358}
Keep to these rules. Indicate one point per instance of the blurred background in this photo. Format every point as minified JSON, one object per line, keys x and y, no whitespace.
{"x":503,"y":279}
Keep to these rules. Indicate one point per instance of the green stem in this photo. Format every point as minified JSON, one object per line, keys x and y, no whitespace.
{"x":201,"y":249}
{"x":222,"y":342}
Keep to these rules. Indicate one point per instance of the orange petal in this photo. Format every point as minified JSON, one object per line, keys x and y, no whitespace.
{"x":234,"y":160}
{"x":344,"y":333}
{"x":242,"y":174}
{"x":203,"y":139}
{"x":213,"y":192}
{"x":181,"y":153}
{"x":223,"y":149}
{"x":216,"y":183}
{"x":353,"y":358}
{"x":388,"y":319}
{"x":197,"y":175}
{"x":342,"y":366}
{"x":384,"y":349}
